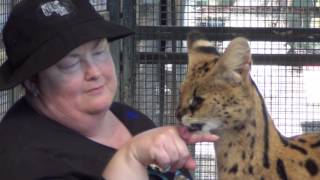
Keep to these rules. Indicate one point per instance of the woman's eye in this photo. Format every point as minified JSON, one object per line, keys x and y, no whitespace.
{"x":97,"y":53}
{"x":69,"y":63}
{"x":68,"y":66}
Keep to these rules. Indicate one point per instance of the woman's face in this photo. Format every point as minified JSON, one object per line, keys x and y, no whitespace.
{"x":83,"y":82}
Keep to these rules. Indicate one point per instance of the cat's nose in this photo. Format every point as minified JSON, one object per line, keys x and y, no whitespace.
{"x":195,"y":127}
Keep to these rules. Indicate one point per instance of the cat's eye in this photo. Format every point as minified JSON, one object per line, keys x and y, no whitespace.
{"x":195,"y":103}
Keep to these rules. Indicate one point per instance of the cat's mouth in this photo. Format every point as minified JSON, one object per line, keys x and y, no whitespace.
{"x":207,"y":127}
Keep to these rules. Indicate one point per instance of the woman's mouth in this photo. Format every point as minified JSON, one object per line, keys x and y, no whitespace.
{"x":96,"y":90}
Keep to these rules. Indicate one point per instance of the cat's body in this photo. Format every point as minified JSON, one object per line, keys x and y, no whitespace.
{"x":219,"y":96}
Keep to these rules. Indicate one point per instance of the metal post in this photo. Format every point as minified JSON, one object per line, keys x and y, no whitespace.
{"x":114,"y":8}
{"x":128,"y":56}
{"x":163,"y":21}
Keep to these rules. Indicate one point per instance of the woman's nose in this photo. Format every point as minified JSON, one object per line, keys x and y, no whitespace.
{"x":92,"y":71}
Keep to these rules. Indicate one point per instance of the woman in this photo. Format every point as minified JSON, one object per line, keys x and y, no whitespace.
{"x":67,"y":125}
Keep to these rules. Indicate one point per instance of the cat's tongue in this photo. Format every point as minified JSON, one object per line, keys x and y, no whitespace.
{"x":194,"y":137}
{"x":184,"y":132}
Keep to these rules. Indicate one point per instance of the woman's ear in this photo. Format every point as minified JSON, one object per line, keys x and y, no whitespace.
{"x":31,"y":86}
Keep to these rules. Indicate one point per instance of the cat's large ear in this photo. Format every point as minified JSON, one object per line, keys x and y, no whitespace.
{"x":235,"y":63}
{"x":200,"y":52}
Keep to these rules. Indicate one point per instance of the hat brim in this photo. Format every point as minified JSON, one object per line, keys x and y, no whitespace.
{"x":53,"y":50}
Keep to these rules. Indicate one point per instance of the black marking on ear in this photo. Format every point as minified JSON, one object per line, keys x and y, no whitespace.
{"x":297,"y":148}
{"x":207,"y":50}
{"x":234,"y":169}
{"x":195,"y":36}
{"x":281,"y":170}
{"x":311,"y":167}
{"x":315,"y":145}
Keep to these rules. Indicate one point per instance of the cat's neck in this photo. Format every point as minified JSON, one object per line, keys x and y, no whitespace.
{"x":248,"y":145}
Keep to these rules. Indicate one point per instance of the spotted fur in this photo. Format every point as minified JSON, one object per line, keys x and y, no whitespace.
{"x":219,"y":96}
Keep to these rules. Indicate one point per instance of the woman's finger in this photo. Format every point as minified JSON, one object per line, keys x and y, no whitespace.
{"x":168,"y":147}
{"x":190,"y":163}
{"x":183,"y":153}
{"x":162,"y":158}
{"x":194,"y":138}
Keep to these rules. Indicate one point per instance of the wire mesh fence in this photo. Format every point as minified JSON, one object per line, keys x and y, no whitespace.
{"x":6,"y":97}
{"x":284,"y":41}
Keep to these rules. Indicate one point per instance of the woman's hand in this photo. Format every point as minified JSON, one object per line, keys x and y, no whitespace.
{"x":163,"y":146}
{"x":166,"y":146}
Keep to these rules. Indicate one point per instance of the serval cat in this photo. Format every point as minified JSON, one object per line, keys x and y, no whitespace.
{"x":219,"y":96}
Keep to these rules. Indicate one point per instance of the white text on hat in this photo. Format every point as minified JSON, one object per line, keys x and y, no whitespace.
{"x":54,"y":7}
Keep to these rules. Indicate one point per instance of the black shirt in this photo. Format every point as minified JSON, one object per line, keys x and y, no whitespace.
{"x":32,"y":146}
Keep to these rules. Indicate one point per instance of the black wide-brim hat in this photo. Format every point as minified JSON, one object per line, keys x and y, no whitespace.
{"x":39,"y":33}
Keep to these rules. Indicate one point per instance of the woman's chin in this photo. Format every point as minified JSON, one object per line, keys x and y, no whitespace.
{"x":99,"y":106}
{"x":97,"y":103}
